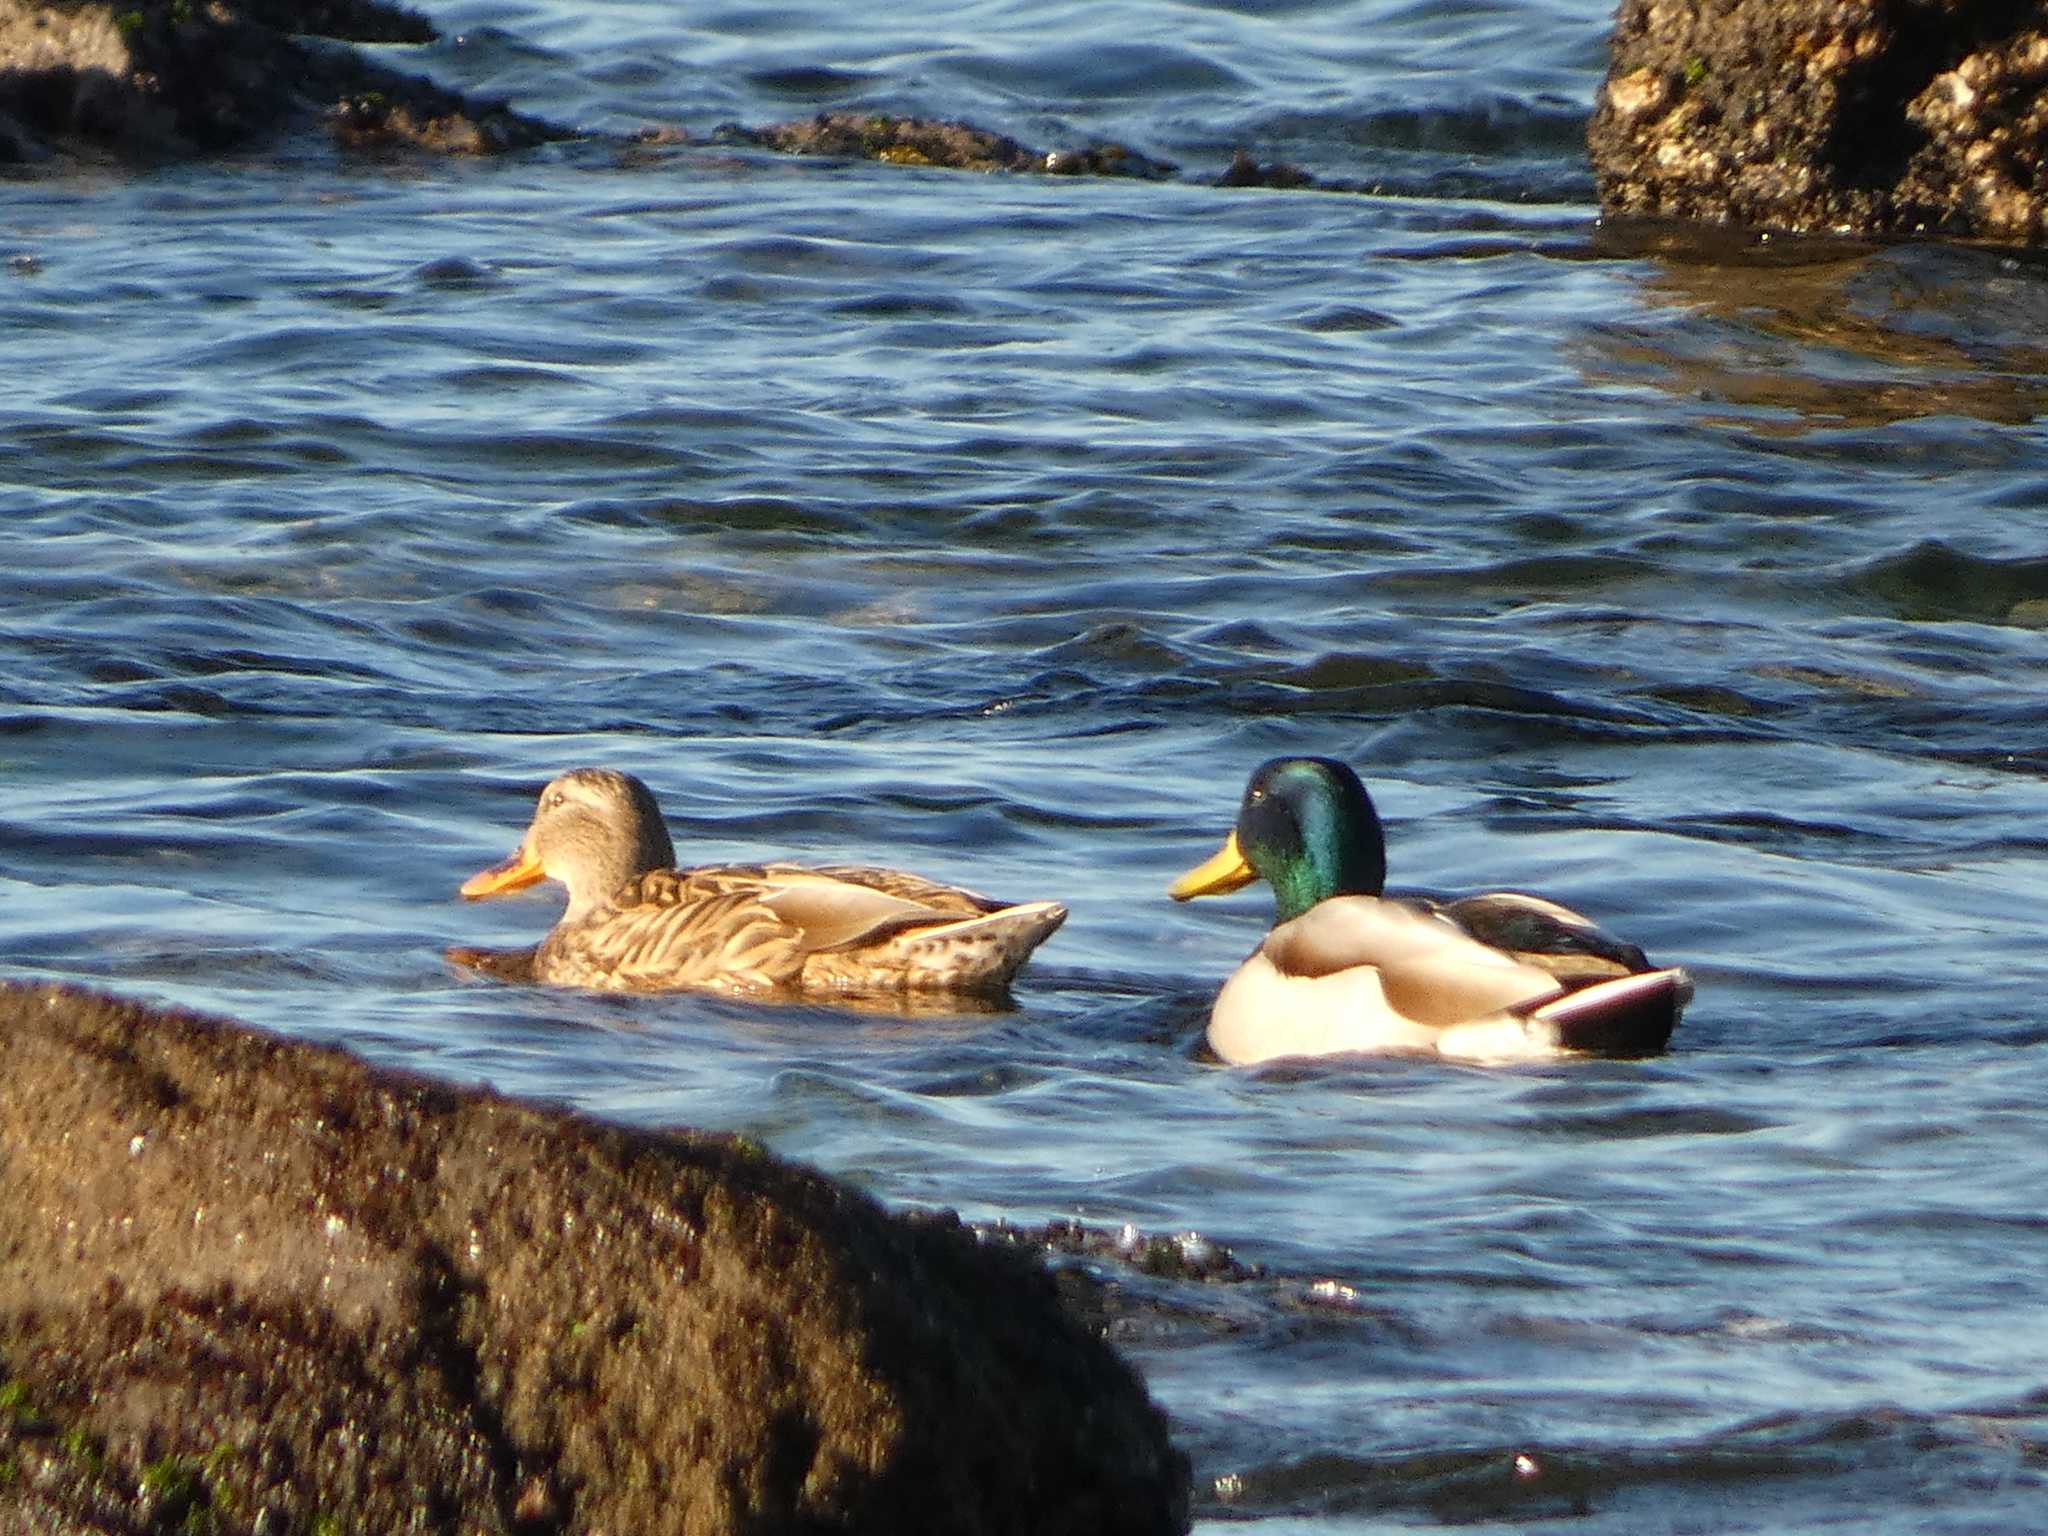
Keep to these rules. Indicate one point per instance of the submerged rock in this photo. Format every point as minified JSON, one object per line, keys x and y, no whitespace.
{"x":149,"y":78}
{"x":887,"y":137}
{"x":1864,"y":116}
{"x":1182,"y":1256}
{"x":1245,"y":171}
{"x":252,"y":1284}
{"x":156,"y":79}
{"x":942,"y":142}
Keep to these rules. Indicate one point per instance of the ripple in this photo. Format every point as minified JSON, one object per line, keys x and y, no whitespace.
{"x":1934,"y":580}
{"x":995,"y":527}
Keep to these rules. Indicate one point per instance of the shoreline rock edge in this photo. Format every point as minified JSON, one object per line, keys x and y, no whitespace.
{"x":259,"y":1281}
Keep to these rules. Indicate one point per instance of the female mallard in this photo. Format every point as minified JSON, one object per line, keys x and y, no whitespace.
{"x":1496,"y":977}
{"x":636,"y":923}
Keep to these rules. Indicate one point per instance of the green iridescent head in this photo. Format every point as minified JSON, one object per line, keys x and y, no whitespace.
{"x":1308,"y":829}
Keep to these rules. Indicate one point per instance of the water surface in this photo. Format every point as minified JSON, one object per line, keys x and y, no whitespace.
{"x":996,"y":527}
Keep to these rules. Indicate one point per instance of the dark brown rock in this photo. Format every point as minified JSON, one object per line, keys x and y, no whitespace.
{"x":150,"y":78}
{"x":1245,"y":171}
{"x":938,"y":142}
{"x":420,"y":115}
{"x":1861,"y":116}
{"x":250,"y":1284}
{"x":898,"y":140}
{"x":1107,"y":160}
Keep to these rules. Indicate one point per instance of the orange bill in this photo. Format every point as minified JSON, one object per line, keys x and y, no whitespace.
{"x":1225,"y":871}
{"x":519,"y":871}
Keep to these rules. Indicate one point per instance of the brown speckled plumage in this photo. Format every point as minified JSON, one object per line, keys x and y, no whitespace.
{"x":634,"y":923}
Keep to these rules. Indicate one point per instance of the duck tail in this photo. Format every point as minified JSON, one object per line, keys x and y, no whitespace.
{"x":989,"y":950}
{"x":1627,"y":1016}
{"x":962,"y":955}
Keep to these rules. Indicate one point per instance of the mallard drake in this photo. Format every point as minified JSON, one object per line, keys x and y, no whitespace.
{"x":637,"y":923}
{"x":1501,"y":976}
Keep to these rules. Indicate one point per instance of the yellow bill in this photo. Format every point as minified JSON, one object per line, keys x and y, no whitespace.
{"x":522,"y":869}
{"x":1225,"y":871}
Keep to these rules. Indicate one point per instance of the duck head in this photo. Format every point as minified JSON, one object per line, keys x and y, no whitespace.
{"x":593,"y":830}
{"x":1308,"y":829}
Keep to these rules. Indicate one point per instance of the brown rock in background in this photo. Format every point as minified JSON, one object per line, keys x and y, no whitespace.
{"x":159,"y":79}
{"x":1863,"y":116}
{"x":938,"y":142}
{"x":149,"y":78}
{"x":249,"y":1284}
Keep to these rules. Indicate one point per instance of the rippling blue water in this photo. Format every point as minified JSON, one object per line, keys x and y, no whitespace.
{"x":996,"y":527}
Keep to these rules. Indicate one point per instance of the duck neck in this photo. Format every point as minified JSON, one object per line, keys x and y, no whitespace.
{"x":596,"y":860}
{"x":596,"y":887}
{"x":1336,"y":858}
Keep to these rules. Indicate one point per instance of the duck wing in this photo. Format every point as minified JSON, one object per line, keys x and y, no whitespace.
{"x":839,"y":906}
{"x":944,"y":900}
{"x":1553,"y":938}
{"x":833,"y":910}
{"x":1430,"y":970}
{"x":677,"y":928}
